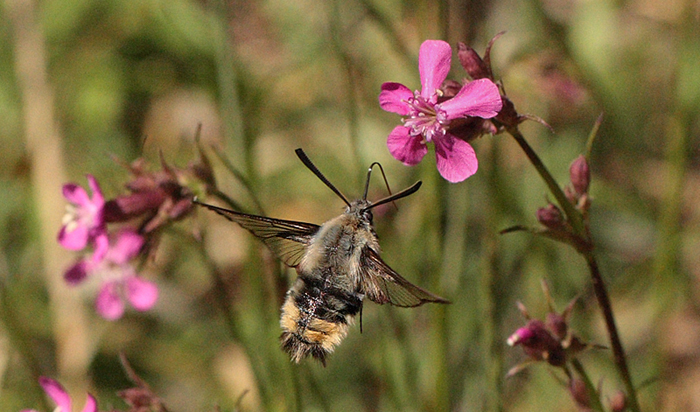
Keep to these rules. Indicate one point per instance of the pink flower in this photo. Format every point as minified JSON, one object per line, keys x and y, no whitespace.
{"x":118,"y":276}
{"x":60,"y":396}
{"x":84,"y":221}
{"x":539,"y":343}
{"x":428,"y":114}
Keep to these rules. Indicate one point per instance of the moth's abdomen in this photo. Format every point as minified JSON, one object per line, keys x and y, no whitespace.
{"x":315,"y":319}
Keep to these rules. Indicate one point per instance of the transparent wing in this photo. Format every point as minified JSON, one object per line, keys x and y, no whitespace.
{"x":286,"y":238}
{"x":382,"y":284}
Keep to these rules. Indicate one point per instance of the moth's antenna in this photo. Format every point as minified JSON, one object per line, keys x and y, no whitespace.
{"x":396,"y":196}
{"x":369,"y":173}
{"x":307,"y":162}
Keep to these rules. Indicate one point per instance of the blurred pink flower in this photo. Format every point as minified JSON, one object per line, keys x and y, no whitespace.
{"x":118,"y":276}
{"x":539,"y":343}
{"x":60,"y":396}
{"x":84,"y":221}
{"x":428,"y":114}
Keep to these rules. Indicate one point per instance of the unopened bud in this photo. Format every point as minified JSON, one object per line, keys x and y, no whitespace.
{"x":139,"y":398}
{"x":557,"y":325}
{"x":550,"y":216}
{"x":579,"y":392}
{"x":472,"y":62}
{"x":580,"y":175}
{"x":538,"y":343}
{"x":123,"y":208}
{"x":584,"y":203}
{"x":449,"y":89}
{"x":618,"y":402}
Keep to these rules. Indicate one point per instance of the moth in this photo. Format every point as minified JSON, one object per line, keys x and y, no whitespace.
{"x":338,"y":265}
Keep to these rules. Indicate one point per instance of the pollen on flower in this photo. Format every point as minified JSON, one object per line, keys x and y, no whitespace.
{"x":69,"y":219}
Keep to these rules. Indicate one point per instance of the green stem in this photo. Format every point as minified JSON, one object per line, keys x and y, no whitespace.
{"x":593,"y":394}
{"x":619,"y":356}
{"x":573,"y":215}
{"x":584,"y":246}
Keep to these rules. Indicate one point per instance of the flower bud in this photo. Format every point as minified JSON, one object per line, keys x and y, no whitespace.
{"x":618,"y":402}
{"x":470,"y":128}
{"x":580,"y":175}
{"x":123,"y":208}
{"x":550,"y":217}
{"x":472,"y":62}
{"x":538,"y":343}
{"x":556,"y":323}
{"x":141,"y":399}
{"x":580,"y":393}
{"x":449,"y":89}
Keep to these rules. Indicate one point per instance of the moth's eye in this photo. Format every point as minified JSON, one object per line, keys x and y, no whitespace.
{"x":369,"y":216}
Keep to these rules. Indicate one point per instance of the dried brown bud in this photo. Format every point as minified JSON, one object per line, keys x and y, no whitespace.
{"x":580,"y":175}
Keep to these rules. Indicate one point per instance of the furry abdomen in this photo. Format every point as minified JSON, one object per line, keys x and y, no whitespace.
{"x":315,"y":318}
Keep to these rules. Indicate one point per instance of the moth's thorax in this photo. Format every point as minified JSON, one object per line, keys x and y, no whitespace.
{"x":334,"y":253}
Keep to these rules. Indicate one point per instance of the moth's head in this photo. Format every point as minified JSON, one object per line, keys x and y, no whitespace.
{"x":362,"y":209}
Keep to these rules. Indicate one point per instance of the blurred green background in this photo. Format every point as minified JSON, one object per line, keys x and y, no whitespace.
{"x":81,"y":80}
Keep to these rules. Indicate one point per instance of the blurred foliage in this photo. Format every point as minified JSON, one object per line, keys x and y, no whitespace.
{"x":133,"y":79}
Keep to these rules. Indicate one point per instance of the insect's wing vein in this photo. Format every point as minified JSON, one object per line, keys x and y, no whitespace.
{"x":382,"y":284}
{"x":287,"y":239}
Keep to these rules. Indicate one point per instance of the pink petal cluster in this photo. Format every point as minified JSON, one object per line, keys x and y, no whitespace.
{"x":59,"y":395}
{"x":110,"y":262}
{"x":118,"y":277}
{"x":84,"y":221}
{"x":427,"y":114}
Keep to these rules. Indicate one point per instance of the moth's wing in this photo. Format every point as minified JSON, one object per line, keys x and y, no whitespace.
{"x":382,"y":284}
{"x":287,"y":239}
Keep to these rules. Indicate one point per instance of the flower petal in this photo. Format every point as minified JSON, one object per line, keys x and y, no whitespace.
{"x":456,"y":159}
{"x":479,"y":98}
{"x":97,"y":197}
{"x":76,"y":194}
{"x":127,"y":246}
{"x":434,"y":59}
{"x":101,"y":247}
{"x":109,"y":304}
{"x":56,"y":392}
{"x":90,"y":404}
{"x":393,"y":98}
{"x":404,"y":147}
{"x":74,"y":236}
{"x":141,"y":293}
{"x":76,"y":273}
